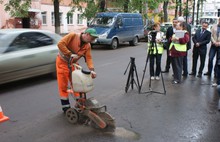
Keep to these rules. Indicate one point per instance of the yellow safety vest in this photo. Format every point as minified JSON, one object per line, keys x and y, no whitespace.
{"x":177,"y":46}
{"x":159,"y":48}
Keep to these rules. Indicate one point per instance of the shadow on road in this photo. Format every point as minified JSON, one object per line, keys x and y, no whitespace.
{"x":25,"y":83}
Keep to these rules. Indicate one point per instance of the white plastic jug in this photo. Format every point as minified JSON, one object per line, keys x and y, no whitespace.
{"x":81,"y":82}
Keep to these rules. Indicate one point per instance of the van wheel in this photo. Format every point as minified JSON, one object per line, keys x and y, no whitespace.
{"x":134,"y":42}
{"x":114,"y":44}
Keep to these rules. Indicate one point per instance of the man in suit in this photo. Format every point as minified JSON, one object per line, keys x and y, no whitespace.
{"x":169,"y":34}
{"x":215,"y":38}
{"x":201,"y":38}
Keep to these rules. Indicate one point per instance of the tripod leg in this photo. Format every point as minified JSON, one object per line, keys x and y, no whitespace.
{"x":127,"y":84}
{"x":138,"y":85}
{"x":163,"y":84}
{"x":128,"y":80}
{"x":132,"y":78}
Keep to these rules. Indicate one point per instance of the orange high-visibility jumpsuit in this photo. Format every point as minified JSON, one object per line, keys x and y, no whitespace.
{"x":70,"y":44}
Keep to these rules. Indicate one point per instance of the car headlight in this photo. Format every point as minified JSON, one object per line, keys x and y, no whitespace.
{"x":103,"y":35}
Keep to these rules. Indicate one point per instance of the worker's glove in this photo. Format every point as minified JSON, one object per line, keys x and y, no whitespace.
{"x":74,"y":58}
{"x":93,"y":74}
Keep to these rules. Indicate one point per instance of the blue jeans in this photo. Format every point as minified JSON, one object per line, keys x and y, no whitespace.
{"x":212,"y":53}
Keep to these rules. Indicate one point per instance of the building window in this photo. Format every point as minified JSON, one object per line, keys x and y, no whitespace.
{"x":53,"y":18}
{"x":69,"y":18}
{"x":79,"y":19}
{"x":44,"y":18}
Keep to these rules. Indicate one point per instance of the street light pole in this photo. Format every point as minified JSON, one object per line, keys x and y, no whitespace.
{"x":187,"y":11}
{"x":197,"y":14}
{"x":194,"y":2}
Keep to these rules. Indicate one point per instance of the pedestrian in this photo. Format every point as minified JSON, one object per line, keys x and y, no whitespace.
{"x":218,"y":75}
{"x":201,"y":38}
{"x":155,"y":50}
{"x":215,"y":39}
{"x":177,"y":51}
{"x":77,"y":45}
{"x":169,"y":34}
{"x":185,"y":60}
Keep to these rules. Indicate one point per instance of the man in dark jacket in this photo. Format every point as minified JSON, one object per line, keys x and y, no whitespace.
{"x":169,"y":34}
{"x":201,"y":38}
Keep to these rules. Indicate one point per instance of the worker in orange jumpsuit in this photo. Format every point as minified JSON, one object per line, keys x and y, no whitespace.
{"x":77,"y":46}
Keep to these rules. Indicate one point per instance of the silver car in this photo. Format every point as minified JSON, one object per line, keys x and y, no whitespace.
{"x":25,"y":53}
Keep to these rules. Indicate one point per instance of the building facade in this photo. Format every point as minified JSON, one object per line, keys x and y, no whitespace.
{"x":41,"y":16}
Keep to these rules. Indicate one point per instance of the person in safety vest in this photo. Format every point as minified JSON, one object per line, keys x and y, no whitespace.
{"x":178,"y":48}
{"x":155,"y":51}
{"x":77,"y":46}
{"x":188,"y":45}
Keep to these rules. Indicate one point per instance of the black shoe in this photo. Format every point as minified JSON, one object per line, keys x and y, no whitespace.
{"x":199,"y":75}
{"x":192,"y":73}
{"x":185,"y":75}
{"x":165,"y":71}
{"x":207,"y":73}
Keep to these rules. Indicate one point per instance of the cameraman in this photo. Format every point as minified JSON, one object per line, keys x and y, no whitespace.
{"x":155,"y":51}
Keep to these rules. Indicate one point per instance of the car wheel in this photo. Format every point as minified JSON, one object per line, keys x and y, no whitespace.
{"x":134,"y":42}
{"x":114,"y":44}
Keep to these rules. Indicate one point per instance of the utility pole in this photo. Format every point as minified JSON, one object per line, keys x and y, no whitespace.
{"x":193,"y":17}
{"x":145,"y":13}
{"x":197,"y":14}
{"x":187,"y":11}
{"x":201,"y":13}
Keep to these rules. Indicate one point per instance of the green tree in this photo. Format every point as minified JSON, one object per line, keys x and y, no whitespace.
{"x":18,"y":8}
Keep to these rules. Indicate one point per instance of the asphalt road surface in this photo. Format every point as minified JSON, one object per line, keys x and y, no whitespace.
{"x":187,"y":113}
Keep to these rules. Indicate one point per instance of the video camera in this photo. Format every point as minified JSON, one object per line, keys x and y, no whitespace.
{"x":152,"y":35}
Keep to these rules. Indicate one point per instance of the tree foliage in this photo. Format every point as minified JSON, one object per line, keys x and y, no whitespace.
{"x":91,"y":9}
{"x":153,"y":4}
{"x":93,"y":6}
{"x":18,"y":8}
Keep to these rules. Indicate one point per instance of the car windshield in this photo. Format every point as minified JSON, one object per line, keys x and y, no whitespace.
{"x":211,"y":21}
{"x":103,"y":21}
{"x":2,"y":41}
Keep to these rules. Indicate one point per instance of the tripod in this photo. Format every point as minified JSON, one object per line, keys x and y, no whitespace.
{"x":131,"y":81}
{"x":153,"y":45}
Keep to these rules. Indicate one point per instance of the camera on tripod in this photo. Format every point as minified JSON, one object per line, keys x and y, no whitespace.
{"x":152,"y":36}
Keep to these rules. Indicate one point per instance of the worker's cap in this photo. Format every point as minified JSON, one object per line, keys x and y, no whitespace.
{"x":92,"y":32}
{"x":181,"y":19}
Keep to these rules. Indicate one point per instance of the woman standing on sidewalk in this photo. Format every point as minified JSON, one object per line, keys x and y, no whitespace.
{"x":155,"y":50}
{"x":177,"y":50}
